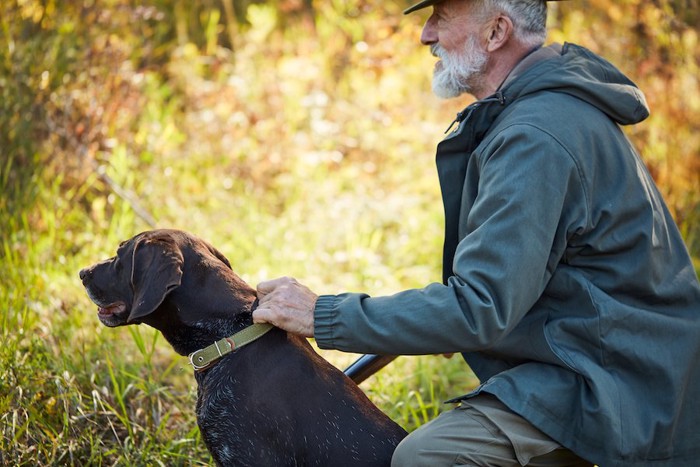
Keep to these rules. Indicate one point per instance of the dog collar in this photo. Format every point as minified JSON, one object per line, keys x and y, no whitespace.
{"x":204,"y":358}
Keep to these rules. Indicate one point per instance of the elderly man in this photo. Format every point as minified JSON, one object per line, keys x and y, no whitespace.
{"x":566,"y":285}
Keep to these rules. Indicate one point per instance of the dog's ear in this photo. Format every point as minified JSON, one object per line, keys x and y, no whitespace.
{"x":156,"y":269}
{"x":218,"y":255}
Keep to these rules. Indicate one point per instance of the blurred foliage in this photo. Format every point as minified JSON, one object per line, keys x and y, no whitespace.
{"x":295,"y":135}
{"x":268,"y":85}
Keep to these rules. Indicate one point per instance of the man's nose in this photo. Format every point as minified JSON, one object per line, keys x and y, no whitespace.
{"x":429,"y":34}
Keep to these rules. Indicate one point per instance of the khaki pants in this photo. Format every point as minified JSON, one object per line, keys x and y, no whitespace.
{"x":482,"y":431}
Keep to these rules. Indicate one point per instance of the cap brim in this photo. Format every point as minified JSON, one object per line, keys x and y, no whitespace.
{"x":427,"y":3}
{"x":420,"y":6}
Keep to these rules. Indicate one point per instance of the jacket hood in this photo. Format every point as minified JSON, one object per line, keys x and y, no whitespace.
{"x":575,"y":70}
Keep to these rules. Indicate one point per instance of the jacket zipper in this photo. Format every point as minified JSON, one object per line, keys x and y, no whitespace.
{"x":464,"y":114}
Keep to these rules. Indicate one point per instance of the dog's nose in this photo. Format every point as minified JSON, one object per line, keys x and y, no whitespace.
{"x":84,"y":274}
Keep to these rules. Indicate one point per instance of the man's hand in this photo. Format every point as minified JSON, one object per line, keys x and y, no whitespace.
{"x":287,"y":304}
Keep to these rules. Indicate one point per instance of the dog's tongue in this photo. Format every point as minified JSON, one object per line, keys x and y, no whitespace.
{"x":111,"y":309}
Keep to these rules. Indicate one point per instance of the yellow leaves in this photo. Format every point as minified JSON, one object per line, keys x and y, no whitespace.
{"x":263,"y":19}
{"x":615,"y":13}
{"x":31,"y":10}
{"x":689,"y":39}
{"x":44,"y":80}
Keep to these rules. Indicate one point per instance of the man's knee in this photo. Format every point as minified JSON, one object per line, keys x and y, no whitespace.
{"x":461,"y":436}
{"x":410,"y":451}
{"x":472,"y":435}
{"x":442,"y":444}
{"x":438,"y":442}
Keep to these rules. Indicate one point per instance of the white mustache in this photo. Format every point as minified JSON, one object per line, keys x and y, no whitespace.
{"x":437,"y":51}
{"x":457,"y":68}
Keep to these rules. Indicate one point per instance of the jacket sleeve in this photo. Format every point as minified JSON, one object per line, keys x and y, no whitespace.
{"x":528,"y":200}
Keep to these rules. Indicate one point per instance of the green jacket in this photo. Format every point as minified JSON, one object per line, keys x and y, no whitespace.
{"x":567,"y":286}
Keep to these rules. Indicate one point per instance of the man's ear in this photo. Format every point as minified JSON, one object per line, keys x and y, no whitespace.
{"x":157,"y":265}
{"x":499,"y":33}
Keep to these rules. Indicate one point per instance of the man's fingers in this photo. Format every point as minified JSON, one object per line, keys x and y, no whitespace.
{"x":266,"y":287}
{"x":295,"y":322}
{"x":287,"y":304}
{"x":262,"y":315}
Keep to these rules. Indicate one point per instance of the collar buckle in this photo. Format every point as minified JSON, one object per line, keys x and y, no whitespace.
{"x":198,"y":361}
{"x":203,"y":358}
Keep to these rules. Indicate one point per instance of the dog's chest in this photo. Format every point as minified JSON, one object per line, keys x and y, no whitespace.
{"x":249,"y":419}
{"x":238,"y":429}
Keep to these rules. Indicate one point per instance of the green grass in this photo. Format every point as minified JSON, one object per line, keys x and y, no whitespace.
{"x":75,"y":393}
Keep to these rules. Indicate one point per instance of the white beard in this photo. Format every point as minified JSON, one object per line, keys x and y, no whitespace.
{"x":456,"y":74}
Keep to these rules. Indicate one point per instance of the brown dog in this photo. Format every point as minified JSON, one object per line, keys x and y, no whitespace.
{"x":274,"y":402}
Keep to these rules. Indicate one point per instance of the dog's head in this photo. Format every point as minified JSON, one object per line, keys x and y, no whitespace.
{"x":175,"y":282}
{"x":135,"y":282}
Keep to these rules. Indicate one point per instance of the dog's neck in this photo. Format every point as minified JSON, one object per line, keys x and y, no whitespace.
{"x":202,"y":323}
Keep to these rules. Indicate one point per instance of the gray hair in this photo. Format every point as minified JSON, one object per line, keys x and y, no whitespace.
{"x":529,"y":18}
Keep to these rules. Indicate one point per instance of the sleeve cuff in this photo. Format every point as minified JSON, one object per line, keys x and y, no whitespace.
{"x":324,"y":318}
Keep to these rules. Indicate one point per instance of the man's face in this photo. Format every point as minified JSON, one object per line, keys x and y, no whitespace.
{"x":453,"y":34}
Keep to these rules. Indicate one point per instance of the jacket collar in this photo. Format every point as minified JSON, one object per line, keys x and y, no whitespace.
{"x":533,"y":58}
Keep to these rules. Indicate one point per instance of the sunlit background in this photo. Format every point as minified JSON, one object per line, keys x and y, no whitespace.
{"x":297,"y":136}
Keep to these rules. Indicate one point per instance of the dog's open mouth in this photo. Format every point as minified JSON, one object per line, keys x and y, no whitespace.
{"x":110,"y":310}
{"x":113,"y":314}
